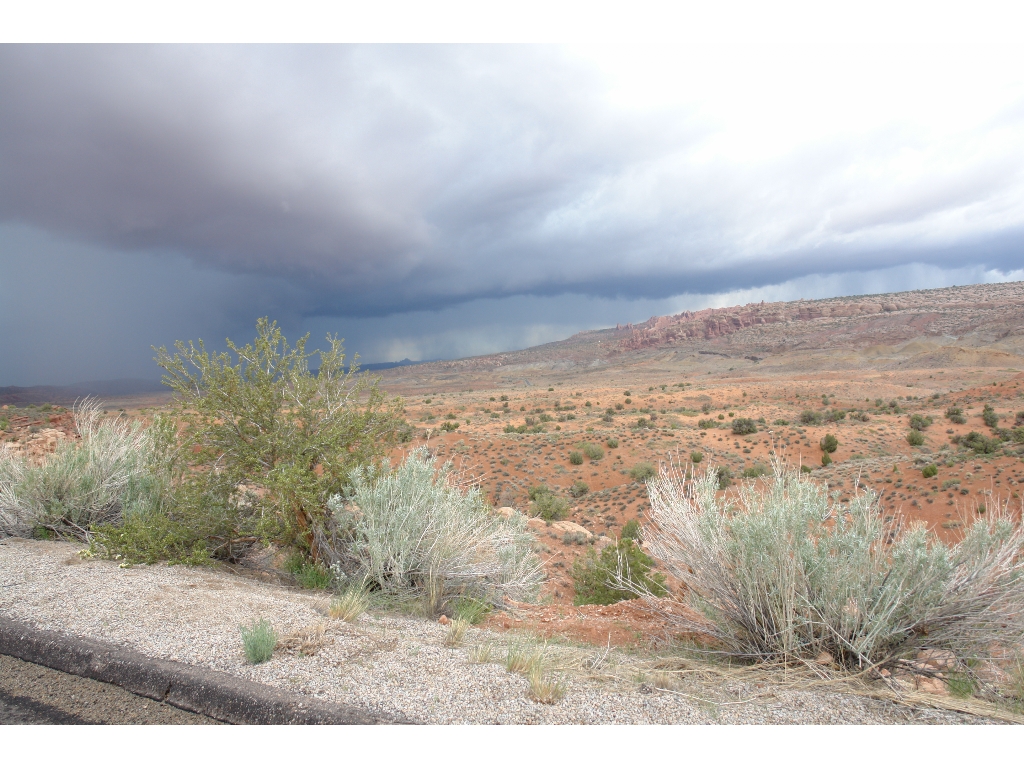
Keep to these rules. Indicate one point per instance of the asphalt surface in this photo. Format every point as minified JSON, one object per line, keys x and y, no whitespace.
{"x":31,"y":694}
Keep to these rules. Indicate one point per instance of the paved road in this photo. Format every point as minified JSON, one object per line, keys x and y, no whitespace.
{"x":31,"y":694}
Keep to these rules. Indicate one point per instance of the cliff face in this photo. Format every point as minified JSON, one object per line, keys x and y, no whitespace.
{"x":955,"y":306}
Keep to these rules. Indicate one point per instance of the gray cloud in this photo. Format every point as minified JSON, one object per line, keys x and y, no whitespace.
{"x":325,"y":182}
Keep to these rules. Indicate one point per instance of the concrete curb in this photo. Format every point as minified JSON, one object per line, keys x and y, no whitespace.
{"x":195,"y":689}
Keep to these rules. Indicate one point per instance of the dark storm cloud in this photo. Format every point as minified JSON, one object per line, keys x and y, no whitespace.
{"x":319,"y":182}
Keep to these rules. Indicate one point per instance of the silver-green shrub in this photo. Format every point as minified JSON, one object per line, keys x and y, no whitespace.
{"x":418,"y":532}
{"x":786,"y":571}
{"x":108,"y":474}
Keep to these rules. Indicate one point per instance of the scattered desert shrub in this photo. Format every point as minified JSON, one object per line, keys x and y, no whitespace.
{"x":829,"y":443}
{"x":756,"y":470}
{"x":420,"y":532}
{"x":592,"y":451}
{"x":631,"y":530}
{"x":724,"y":475}
{"x":826,"y":459}
{"x":310,"y":575}
{"x":811,"y":418}
{"x":929,"y":471}
{"x":744,"y":426}
{"x":707,"y":424}
{"x":696,"y":457}
{"x":575,"y":458}
{"x":449,"y":426}
{"x":956,"y":414}
{"x":915,"y":438}
{"x":578,"y":489}
{"x":787,"y":572}
{"x":619,"y":572}
{"x":643,"y":471}
{"x":919,"y":422}
{"x":116,"y":471}
{"x":613,"y":442}
{"x":780,"y":423}
{"x":258,"y":641}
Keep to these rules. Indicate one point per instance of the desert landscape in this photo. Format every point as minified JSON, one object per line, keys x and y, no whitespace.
{"x":914,"y":397}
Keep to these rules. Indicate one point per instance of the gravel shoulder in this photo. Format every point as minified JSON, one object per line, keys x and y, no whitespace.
{"x":391,"y":663}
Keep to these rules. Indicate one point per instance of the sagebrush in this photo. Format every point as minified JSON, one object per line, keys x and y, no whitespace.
{"x":784,"y":570}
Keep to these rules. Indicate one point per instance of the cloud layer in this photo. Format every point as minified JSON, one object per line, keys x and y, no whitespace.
{"x":324,"y":182}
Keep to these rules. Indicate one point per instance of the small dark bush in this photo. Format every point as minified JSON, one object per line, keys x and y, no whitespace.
{"x":642,"y":423}
{"x":707,"y":424}
{"x":613,"y":442}
{"x":977,"y":442}
{"x":593,"y":452}
{"x":578,"y":489}
{"x":756,"y":470}
{"x":743,"y":426}
{"x":919,"y":422}
{"x":724,"y":478}
{"x":826,"y":459}
{"x":696,"y":457}
{"x":915,"y":438}
{"x":988,"y":415}
{"x":594,"y":575}
{"x":956,"y":415}
{"x":575,"y":457}
{"x":631,"y":530}
{"x":781,"y":423}
{"x":449,"y":426}
{"x":930,"y":471}
{"x":829,"y":443}
{"x":549,"y":507}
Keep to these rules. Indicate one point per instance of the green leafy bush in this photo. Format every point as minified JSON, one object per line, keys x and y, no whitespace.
{"x":575,"y":457}
{"x":724,"y":476}
{"x":696,"y":457}
{"x":756,"y":470}
{"x":785,"y":572}
{"x":744,"y":426}
{"x":707,"y":424}
{"x":264,"y":444}
{"x":619,"y":572}
{"x":546,"y":505}
{"x":826,"y":459}
{"x":829,"y":443}
{"x":592,"y":451}
{"x":915,"y":438}
{"x":613,"y":442}
{"x":643,"y":471}
{"x":780,"y":423}
{"x":929,"y":471}
{"x":578,"y":489}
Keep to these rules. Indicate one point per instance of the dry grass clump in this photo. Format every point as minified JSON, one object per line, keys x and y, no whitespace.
{"x":523,"y":659}
{"x":545,"y":689}
{"x":305,"y":641}
{"x":456,"y":633}
{"x":481,"y":654}
{"x":786,"y":572}
{"x":349,"y":605}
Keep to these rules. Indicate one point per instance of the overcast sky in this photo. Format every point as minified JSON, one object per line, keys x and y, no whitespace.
{"x":441,"y":201}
